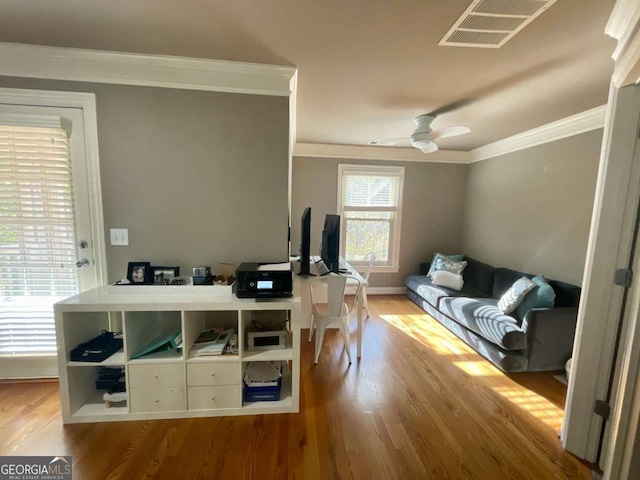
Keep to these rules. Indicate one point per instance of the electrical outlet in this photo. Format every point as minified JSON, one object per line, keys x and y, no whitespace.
{"x":119,"y":236}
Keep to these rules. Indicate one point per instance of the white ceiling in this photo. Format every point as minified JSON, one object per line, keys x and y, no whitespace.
{"x":366,"y":67}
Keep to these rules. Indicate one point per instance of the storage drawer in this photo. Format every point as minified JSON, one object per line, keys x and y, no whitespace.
{"x":156,"y":375}
{"x":157,"y":399}
{"x":221,"y":396}
{"x":213,"y":373}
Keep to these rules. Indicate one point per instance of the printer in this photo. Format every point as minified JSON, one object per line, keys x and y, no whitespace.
{"x":264,"y":280}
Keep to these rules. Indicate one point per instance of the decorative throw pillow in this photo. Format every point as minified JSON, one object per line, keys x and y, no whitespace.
{"x":447,"y":263}
{"x":542,"y":296}
{"x":447,"y":279}
{"x":512,"y":298}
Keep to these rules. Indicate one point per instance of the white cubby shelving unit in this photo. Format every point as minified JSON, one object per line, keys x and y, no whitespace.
{"x":171,"y":384}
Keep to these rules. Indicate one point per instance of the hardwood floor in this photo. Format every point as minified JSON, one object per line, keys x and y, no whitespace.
{"x":419,"y":405}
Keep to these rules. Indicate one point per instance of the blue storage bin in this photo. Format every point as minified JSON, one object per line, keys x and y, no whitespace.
{"x":262,"y":394}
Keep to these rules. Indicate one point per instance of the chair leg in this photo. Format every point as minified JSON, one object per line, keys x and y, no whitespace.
{"x":319,"y":340}
{"x":311,"y":325}
{"x":365,"y":305}
{"x":345,"y":337}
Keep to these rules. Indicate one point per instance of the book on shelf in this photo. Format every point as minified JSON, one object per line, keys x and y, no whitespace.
{"x":212,"y":348}
{"x":163,"y":342}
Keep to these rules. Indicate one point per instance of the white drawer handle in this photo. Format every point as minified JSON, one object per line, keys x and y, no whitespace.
{"x":157,"y":400}
{"x":213,"y":374}
{"x":156,"y":375}
{"x":213,"y":398}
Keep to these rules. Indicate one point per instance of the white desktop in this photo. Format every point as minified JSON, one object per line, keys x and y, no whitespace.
{"x":301,"y":289}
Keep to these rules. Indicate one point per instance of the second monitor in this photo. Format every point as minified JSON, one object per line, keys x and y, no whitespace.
{"x":330,"y":250}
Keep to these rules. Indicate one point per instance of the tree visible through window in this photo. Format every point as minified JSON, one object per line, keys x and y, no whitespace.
{"x":369,"y":202}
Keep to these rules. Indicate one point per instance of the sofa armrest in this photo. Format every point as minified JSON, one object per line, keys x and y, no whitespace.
{"x":424,"y":268}
{"x":550,"y":335}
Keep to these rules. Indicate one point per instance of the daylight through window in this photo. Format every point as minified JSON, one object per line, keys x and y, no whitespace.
{"x":370,"y":205}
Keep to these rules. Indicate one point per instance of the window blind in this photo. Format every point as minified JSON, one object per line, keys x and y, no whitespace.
{"x":37,"y":236}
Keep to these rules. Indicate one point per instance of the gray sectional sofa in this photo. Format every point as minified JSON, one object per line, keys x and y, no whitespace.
{"x":542,"y":340}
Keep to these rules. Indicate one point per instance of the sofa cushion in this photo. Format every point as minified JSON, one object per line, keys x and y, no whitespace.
{"x":542,"y":296}
{"x":479,"y":276}
{"x":425,"y":287}
{"x":447,"y":279}
{"x":504,"y":279}
{"x":436,"y":262}
{"x":483,"y":317}
{"x":514,"y":296}
{"x":567,"y":295}
{"x":448,"y":264}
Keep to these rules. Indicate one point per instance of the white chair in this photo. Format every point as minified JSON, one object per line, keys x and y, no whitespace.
{"x":335,"y":311}
{"x":370,"y":259}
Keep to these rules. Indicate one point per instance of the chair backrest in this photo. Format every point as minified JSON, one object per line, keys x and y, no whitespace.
{"x":370,"y":258}
{"x":336,"y":285}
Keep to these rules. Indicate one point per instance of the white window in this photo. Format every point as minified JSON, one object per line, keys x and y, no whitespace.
{"x":370,"y":207}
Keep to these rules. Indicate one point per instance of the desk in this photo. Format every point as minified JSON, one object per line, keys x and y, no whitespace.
{"x":301,"y":289}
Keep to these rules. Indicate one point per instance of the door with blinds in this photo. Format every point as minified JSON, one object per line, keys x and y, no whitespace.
{"x":46,"y":249}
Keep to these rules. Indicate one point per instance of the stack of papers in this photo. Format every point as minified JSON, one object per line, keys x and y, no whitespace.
{"x":263,"y":374}
{"x":215,"y":347}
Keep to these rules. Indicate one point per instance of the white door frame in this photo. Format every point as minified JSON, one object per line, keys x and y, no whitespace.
{"x":612,"y":231}
{"x":87,"y":103}
{"x":46,"y":366}
{"x":610,"y":238}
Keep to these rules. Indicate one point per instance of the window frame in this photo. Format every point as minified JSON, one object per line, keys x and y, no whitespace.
{"x":393,"y":265}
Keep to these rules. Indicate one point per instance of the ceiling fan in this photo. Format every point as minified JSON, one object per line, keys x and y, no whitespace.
{"x":424,"y":137}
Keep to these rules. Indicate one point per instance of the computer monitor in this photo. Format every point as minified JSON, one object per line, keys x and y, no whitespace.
{"x":305,"y":242}
{"x":330,"y":251}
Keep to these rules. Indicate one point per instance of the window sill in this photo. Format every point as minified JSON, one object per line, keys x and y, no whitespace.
{"x":376,"y":269}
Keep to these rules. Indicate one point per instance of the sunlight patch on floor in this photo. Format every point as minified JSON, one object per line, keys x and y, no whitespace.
{"x":431,"y":334}
{"x":478,"y":368}
{"x":428,"y":333}
{"x":533,"y":403}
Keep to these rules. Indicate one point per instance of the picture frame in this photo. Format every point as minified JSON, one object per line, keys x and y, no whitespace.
{"x":139,"y":273}
{"x":164,"y":275}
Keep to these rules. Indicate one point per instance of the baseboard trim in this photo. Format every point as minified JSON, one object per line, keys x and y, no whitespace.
{"x":386,"y":290}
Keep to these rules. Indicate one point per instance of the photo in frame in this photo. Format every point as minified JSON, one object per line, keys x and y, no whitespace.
{"x":164,"y":275}
{"x":139,"y":273}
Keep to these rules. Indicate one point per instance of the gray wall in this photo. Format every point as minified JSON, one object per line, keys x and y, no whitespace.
{"x":198,"y":178}
{"x":531,"y":210}
{"x":432,"y":208}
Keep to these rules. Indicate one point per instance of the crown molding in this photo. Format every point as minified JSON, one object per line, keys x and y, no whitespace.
{"x":622,"y":26}
{"x":56,"y":63}
{"x":567,"y":127}
{"x":366,"y":152}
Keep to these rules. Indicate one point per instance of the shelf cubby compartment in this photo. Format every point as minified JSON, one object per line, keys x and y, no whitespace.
{"x":141,"y":328}
{"x":196,"y":322}
{"x":284,"y":403}
{"x":80,"y":327}
{"x":265,"y":320}
{"x":84,"y":399}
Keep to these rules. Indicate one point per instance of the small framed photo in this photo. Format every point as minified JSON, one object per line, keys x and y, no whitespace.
{"x":164,"y":275}
{"x":139,"y":273}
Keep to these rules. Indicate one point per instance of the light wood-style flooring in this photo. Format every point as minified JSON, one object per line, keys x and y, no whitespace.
{"x":418,"y":405}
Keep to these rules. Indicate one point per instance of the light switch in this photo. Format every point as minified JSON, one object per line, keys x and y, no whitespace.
{"x":119,"y":236}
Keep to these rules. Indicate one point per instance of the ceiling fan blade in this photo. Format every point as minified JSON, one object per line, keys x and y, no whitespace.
{"x":388,"y":141}
{"x":430,"y":148}
{"x":449,"y":132}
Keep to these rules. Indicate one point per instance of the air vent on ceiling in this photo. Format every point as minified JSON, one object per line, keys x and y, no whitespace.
{"x":491,"y":23}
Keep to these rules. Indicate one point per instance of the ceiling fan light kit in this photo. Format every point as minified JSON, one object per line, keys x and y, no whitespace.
{"x":423,"y":137}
